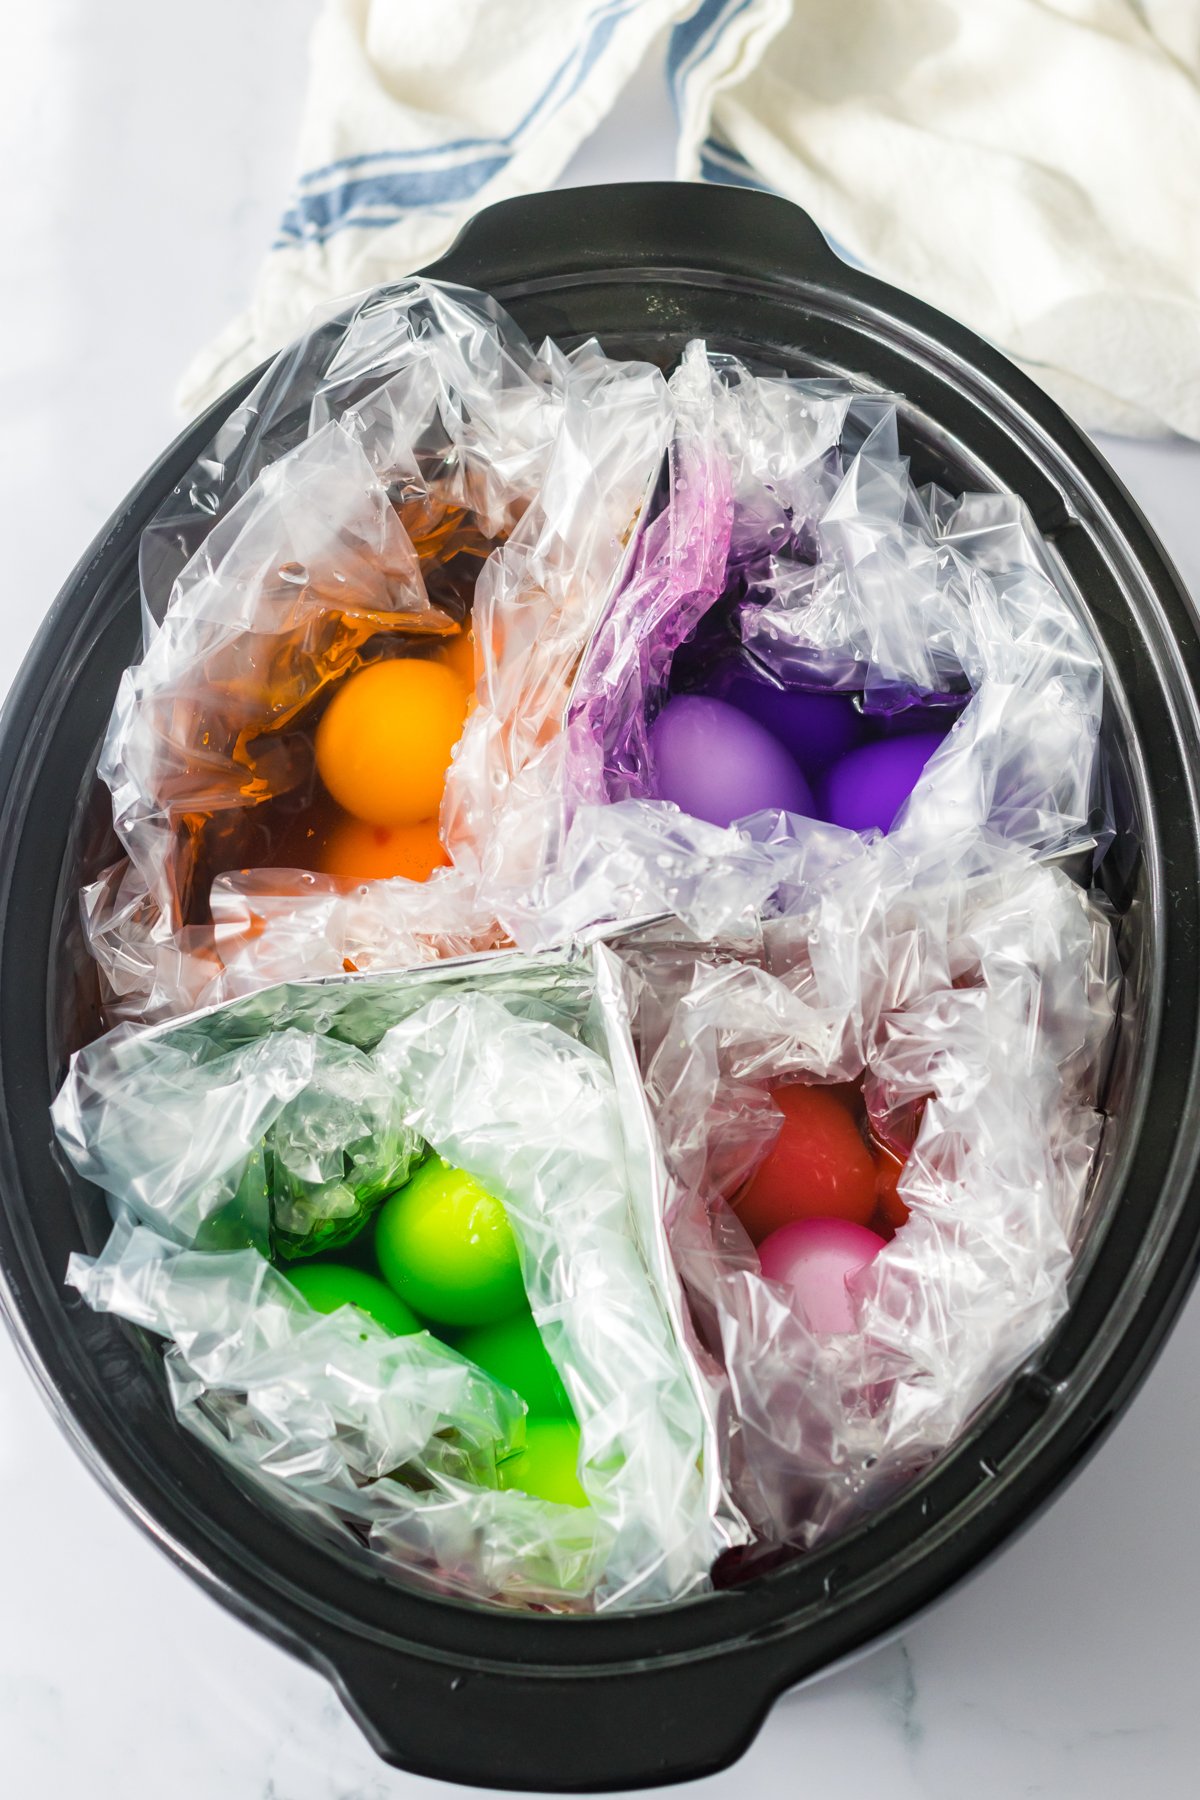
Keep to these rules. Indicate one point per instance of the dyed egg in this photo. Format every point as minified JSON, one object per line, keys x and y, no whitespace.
{"x":717,"y":764}
{"x":548,"y":1466}
{"x":445,"y":1245}
{"x":513,"y":1352}
{"x":817,"y":1168}
{"x":384,"y":741}
{"x":815,"y":728}
{"x":329,"y":1286}
{"x":867,"y":788}
{"x":814,"y":1258}
{"x":359,"y":852}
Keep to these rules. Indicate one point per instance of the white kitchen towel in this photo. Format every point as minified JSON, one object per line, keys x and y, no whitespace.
{"x":1030,"y":166}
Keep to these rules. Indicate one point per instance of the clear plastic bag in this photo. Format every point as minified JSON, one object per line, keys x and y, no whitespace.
{"x":286,"y":1144}
{"x":914,"y":601}
{"x":951,"y":965}
{"x":522,"y":1073}
{"x":345,"y":511}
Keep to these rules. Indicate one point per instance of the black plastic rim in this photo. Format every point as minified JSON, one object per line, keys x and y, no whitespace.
{"x":478,"y":1696}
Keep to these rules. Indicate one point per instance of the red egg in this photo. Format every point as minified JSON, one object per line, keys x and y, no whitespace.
{"x":818,"y":1167}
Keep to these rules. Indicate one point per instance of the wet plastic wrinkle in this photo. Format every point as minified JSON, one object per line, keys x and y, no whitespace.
{"x":395,"y":1655}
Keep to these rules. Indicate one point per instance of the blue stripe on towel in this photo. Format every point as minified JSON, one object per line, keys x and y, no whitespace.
{"x":389,"y":194}
{"x":720,"y":162}
{"x":316,"y":215}
{"x":454,"y":145}
{"x":695,"y":38}
{"x":343,"y":163}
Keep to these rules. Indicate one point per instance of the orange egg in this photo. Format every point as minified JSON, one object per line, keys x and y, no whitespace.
{"x":359,"y":852}
{"x":384,"y":742}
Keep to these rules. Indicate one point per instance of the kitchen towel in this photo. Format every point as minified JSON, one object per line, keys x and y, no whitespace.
{"x":1030,"y":166}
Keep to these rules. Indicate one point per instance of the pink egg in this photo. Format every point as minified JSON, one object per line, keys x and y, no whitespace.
{"x":813,"y":1258}
{"x":719,"y":765}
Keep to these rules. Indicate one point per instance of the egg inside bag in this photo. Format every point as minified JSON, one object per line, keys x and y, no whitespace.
{"x":605,"y":985}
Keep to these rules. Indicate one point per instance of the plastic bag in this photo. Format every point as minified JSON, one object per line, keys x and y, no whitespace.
{"x":344,"y":512}
{"x":979,"y":1019}
{"x":955,"y":965}
{"x":521,"y":1072}
{"x":285,"y":1144}
{"x":906,"y":598}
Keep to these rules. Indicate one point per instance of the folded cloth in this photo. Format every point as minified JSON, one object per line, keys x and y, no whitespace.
{"x":1031,"y":166}
{"x":416,"y":116}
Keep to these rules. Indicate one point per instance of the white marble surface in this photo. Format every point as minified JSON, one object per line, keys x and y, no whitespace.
{"x":144,"y":152}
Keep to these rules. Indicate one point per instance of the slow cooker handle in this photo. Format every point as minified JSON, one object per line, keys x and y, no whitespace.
{"x":566,"y":1730}
{"x":731,"y":231}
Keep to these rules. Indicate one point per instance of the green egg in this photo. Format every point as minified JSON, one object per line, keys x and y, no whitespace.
{"x":326,"y":1286}
{"x":514,"y":1353}
{"x":548,"y":1466}
{"x":445,"y":1245}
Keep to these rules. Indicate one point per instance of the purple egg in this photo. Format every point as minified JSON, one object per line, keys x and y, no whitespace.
{"x":869,"y":786}
{"x":816,"y":728}
{"x":717,"y":764}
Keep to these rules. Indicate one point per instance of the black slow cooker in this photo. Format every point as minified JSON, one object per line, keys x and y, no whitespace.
{"x":509,"y":1700}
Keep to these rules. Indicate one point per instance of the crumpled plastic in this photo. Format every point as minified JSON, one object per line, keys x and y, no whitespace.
{"x":979,"y":1015}
{"x":910,"y":598}
{"x":952,"y":964}
{"x":958,"y":965}
{"x":521,"y":1072}
{"x":348,"y":506}
{"x":286,"y":1144}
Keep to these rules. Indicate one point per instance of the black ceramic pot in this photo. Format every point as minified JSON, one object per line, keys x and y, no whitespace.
{"x":476,"y":1695}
